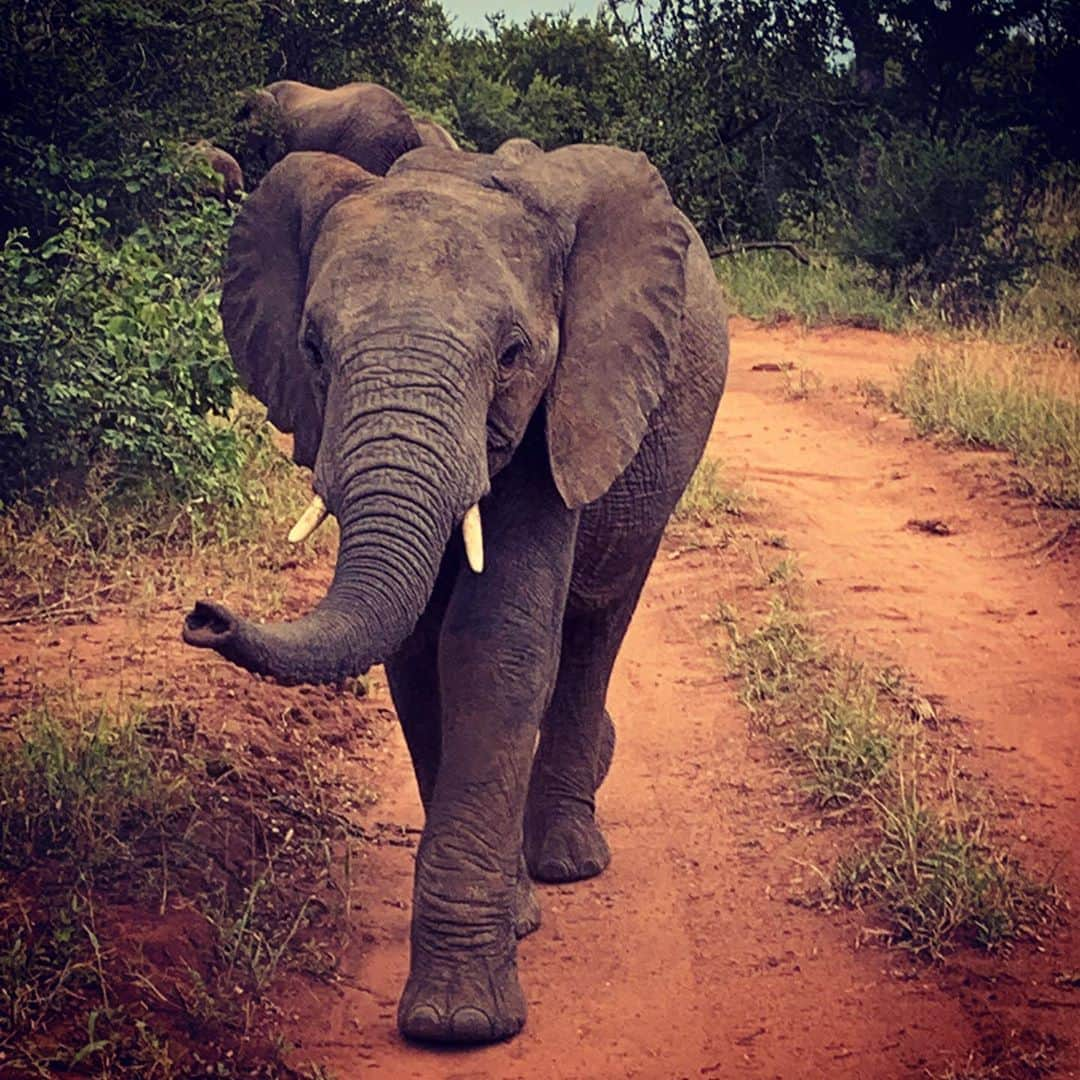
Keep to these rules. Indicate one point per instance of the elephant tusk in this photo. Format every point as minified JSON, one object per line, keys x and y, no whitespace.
{"x":309,"y":520}
{"x":473,"y":535}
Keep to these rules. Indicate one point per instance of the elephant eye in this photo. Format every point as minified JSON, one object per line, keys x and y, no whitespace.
{"x":511,"y":355}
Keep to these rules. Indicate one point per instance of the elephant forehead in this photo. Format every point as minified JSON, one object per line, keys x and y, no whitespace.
{"x":455,"y":230}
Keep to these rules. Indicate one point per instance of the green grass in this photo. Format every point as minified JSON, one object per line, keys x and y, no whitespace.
{"x":941,"y":879}
{"x":926,"y":869}
{"x":90,"y":794}
{"x":111,"y":820}
{"x":771,"y":286}
{"x":708,"y":498}
{"x":823,"y":707}
{"x":1004,"y":409}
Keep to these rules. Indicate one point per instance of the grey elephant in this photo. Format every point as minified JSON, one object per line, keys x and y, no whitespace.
{"x":362,"y":122}
{"x":502,"y":374}
{"x":517,"y":150}
{"x":229,"y":185}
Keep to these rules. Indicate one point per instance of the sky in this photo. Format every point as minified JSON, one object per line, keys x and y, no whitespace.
{"x":469,"y":14}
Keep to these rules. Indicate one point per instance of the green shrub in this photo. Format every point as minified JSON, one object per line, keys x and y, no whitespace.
{"x":113,"y":348}
{"x":936,"y":223}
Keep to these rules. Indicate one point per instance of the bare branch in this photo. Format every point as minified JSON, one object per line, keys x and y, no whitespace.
{"x":763,"y":245}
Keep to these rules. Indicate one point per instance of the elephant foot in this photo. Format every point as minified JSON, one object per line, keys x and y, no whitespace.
{"x":467,"y":1000}
{"x":526,"y":904}
{"x":568,"y":847}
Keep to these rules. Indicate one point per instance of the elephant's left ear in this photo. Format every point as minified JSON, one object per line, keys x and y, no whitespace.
{"x":625,"y":286}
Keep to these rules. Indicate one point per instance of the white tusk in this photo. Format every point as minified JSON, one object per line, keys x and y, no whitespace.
{"x":309,"y":520}
{"x":473,"y":535}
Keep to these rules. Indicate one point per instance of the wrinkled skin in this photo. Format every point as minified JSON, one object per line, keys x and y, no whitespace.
{"x":545,"y":335}
{"x":362,"y":122}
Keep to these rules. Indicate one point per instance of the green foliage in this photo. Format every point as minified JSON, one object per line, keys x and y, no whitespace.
{"x":114,"y":822}
{"x":114,"y":350}
{"x":934,"y":223}
{"x":772,"y":286}
{"x":84,"y":793}
{"x":911,"y":140}
{"x":556,"y":80}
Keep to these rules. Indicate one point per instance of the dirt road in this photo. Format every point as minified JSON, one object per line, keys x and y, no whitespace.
{"x":687,"y":958}
{"x":692,"y":956}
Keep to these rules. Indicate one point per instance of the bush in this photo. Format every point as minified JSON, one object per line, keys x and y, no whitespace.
{"x":113,"y":349}
{"x":934,"y":221}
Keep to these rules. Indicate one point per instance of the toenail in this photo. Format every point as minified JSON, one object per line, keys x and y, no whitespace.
{"x":472,"y":1025}
{"x":422,"y":1022}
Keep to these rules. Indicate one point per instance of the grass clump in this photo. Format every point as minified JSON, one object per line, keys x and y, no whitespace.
{"x":708,"y":497}
{"x":121,"y":829}
{"x":1004,"y":410}
{"x":941,"y":880}
{"x":856,"y":736}
{"x":86,"y":794}
{"x":822,"y":706}
{"x":773,"y":287}
{"x":65,"y":552}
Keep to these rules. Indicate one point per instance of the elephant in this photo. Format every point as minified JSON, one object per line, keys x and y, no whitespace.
{"x":230,"y":186}
{"x":534,"y":352}
{"x":362,"y":122}
{"x":433,"y":134}
{"x":517,"y":150}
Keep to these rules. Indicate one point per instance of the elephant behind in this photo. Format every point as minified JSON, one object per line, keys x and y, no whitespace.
{"x":230,"y":184}
{"x":531,"y":348}
{"x":362,"y":122}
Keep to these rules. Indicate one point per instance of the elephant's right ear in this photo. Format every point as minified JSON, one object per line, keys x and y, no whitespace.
{"x":265,"y":286}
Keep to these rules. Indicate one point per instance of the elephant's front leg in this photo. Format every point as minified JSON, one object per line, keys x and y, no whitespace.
{"x":498,"y":656}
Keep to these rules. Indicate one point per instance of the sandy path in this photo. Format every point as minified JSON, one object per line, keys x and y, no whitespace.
{"x":993,"y":629}
{"x":686,"y":958}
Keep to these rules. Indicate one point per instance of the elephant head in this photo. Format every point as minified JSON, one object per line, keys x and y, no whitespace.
{"x":517,"y":150}
{"x":433,"y":134}
{"x":407,"y":330}
{"x":362,"y":122}
{"x":229,"y":184}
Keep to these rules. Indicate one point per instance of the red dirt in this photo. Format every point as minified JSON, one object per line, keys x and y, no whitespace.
{"x":688,"y":958}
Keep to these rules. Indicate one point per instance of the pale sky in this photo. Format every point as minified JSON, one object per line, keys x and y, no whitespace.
{"x":469,"y":14}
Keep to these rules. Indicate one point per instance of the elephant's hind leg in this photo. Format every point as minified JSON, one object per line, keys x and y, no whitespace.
{"x":577,"y":741}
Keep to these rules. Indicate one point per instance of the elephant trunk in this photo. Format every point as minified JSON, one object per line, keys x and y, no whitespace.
{"x":402,"y":485}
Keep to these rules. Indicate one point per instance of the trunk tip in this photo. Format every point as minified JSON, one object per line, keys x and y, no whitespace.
{"x":209,"y":626}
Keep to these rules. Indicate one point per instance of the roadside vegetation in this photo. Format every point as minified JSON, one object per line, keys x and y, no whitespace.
{"x":153,"y":884}
{"x":708,"y":499}
{"x":872,"y":754}
{"x":1033,"y":415}
{"x":1040,"y":305}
